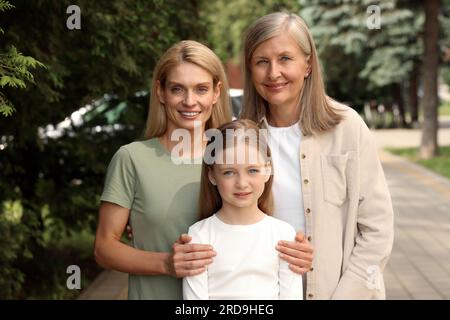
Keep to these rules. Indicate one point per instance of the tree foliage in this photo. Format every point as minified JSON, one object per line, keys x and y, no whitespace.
{"x":385,"y":55}
{"x":14,"y":69}
{"x":104,"y":67}
{"x":227,"y":20}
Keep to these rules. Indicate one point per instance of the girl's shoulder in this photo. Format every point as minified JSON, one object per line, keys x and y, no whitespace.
{"x":201,"y":226}
{"x":280,"y":227}
{"x":201,"y":230}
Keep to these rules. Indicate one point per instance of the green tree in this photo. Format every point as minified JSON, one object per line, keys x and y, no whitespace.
{"x":227,"y":20}
{"x":386,"y":56}
{"x":14,"y":69}
{"x":429,"y":145}
{"x":106,"y":66}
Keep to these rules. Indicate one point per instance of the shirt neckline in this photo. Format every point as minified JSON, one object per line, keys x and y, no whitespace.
{"x":238,"y":226}
{"x":284,"y":130}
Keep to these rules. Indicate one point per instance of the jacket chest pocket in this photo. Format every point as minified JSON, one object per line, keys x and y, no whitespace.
{"x":334,"y":178}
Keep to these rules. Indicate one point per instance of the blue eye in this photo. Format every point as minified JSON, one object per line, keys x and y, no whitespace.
{"x":261,"y":62}
{"x":228,"y":173}
{"x":253,"y":171}
{"x":285,"y":58}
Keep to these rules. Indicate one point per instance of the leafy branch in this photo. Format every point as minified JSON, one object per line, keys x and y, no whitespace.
{"x":14,"y":69}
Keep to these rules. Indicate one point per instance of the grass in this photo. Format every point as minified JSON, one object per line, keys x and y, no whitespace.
{"x":439,"y":164}
{"x":444,"y":109}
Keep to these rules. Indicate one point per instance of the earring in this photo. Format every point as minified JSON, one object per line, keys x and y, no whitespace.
{"x":213,"y":183}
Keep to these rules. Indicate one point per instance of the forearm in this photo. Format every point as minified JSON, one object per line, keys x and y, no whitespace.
{"x":113,"y":254}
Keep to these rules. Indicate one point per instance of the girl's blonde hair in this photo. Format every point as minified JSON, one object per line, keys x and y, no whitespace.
{"x":316,"y":112}
{"x":200,"y":55}
{"x":210,"y":200}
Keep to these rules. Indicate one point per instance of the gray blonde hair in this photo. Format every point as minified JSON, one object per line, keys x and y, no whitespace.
{"x":200,"y":55}
{"x":316,"y":112}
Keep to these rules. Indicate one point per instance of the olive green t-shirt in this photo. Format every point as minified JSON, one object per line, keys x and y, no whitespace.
{"x":162,"y":196}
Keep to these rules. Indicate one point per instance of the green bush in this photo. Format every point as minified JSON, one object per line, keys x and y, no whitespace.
{"x":15,"y":250}
{"x":36,"y":253}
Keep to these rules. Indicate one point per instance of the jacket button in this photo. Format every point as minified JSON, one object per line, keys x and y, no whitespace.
{"x":306,"y":181}
{"x":310,"y":296}
{"x":309,"y":238}
{"x":308,"y":210}
{"x":312,"y":269}
{"x":303,"y":156}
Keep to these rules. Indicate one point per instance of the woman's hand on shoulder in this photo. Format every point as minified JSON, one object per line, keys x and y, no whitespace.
{"x":189,"y":259}
{"x":299,"y":253}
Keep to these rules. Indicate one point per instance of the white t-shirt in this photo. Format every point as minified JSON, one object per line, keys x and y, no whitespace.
{"x":247,"y":265}
{"x":284,"y":143}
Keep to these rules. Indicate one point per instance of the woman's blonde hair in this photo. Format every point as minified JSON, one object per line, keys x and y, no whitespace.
{"x":316,"y":112}
{"x":200,"y":55}
{"x":210,"y":200}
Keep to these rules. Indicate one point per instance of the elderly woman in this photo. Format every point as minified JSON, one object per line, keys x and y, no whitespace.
{"x":328,"y":180}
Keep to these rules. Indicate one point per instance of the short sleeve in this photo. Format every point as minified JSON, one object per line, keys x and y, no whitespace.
{"x":120,"y":179}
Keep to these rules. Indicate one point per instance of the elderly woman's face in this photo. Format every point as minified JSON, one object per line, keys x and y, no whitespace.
{"x":279,"y":69}
{"x":188,"y":95}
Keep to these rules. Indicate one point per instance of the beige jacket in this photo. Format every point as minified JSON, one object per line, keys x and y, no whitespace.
{"x":348,"y":211}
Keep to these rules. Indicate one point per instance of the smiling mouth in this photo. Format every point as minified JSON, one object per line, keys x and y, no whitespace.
{"x":189,"y":115}
{"x":242,"y":194}
{"x":276,"y":86}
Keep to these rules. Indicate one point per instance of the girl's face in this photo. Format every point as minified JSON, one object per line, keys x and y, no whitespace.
{"x":240,"y":183}
{"x":189,"y":95}
{"x":279,"y":69}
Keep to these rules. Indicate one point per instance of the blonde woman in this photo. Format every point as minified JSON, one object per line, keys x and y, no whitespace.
{"x":148,"y":184}
{"x":328,"y":180}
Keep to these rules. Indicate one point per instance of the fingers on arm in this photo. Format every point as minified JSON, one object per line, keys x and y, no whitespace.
{"x":298,"y":269}
{"x":191,"y":259}
{"x":298,"y":255}
{"x":300,"y":237}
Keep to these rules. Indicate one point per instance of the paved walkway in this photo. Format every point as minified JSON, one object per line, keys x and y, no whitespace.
{"x":109,"y":285}
{"x":419,"y":267}
{"x":400,"y":138}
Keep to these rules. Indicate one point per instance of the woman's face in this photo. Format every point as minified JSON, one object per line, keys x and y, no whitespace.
{"x":279,"y":69}
{"x":188,"y":95}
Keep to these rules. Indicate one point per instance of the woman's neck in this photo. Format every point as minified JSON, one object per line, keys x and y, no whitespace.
{"x":238,"y":215}
{"x":283,"y":116}
{"x":191,"y":144}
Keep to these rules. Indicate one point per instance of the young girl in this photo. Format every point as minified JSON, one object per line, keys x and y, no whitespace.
{"x":235,"y":201}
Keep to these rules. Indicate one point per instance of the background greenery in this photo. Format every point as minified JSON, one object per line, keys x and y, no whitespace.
{"x":439,"y":164}
{"x":50,"y":186}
